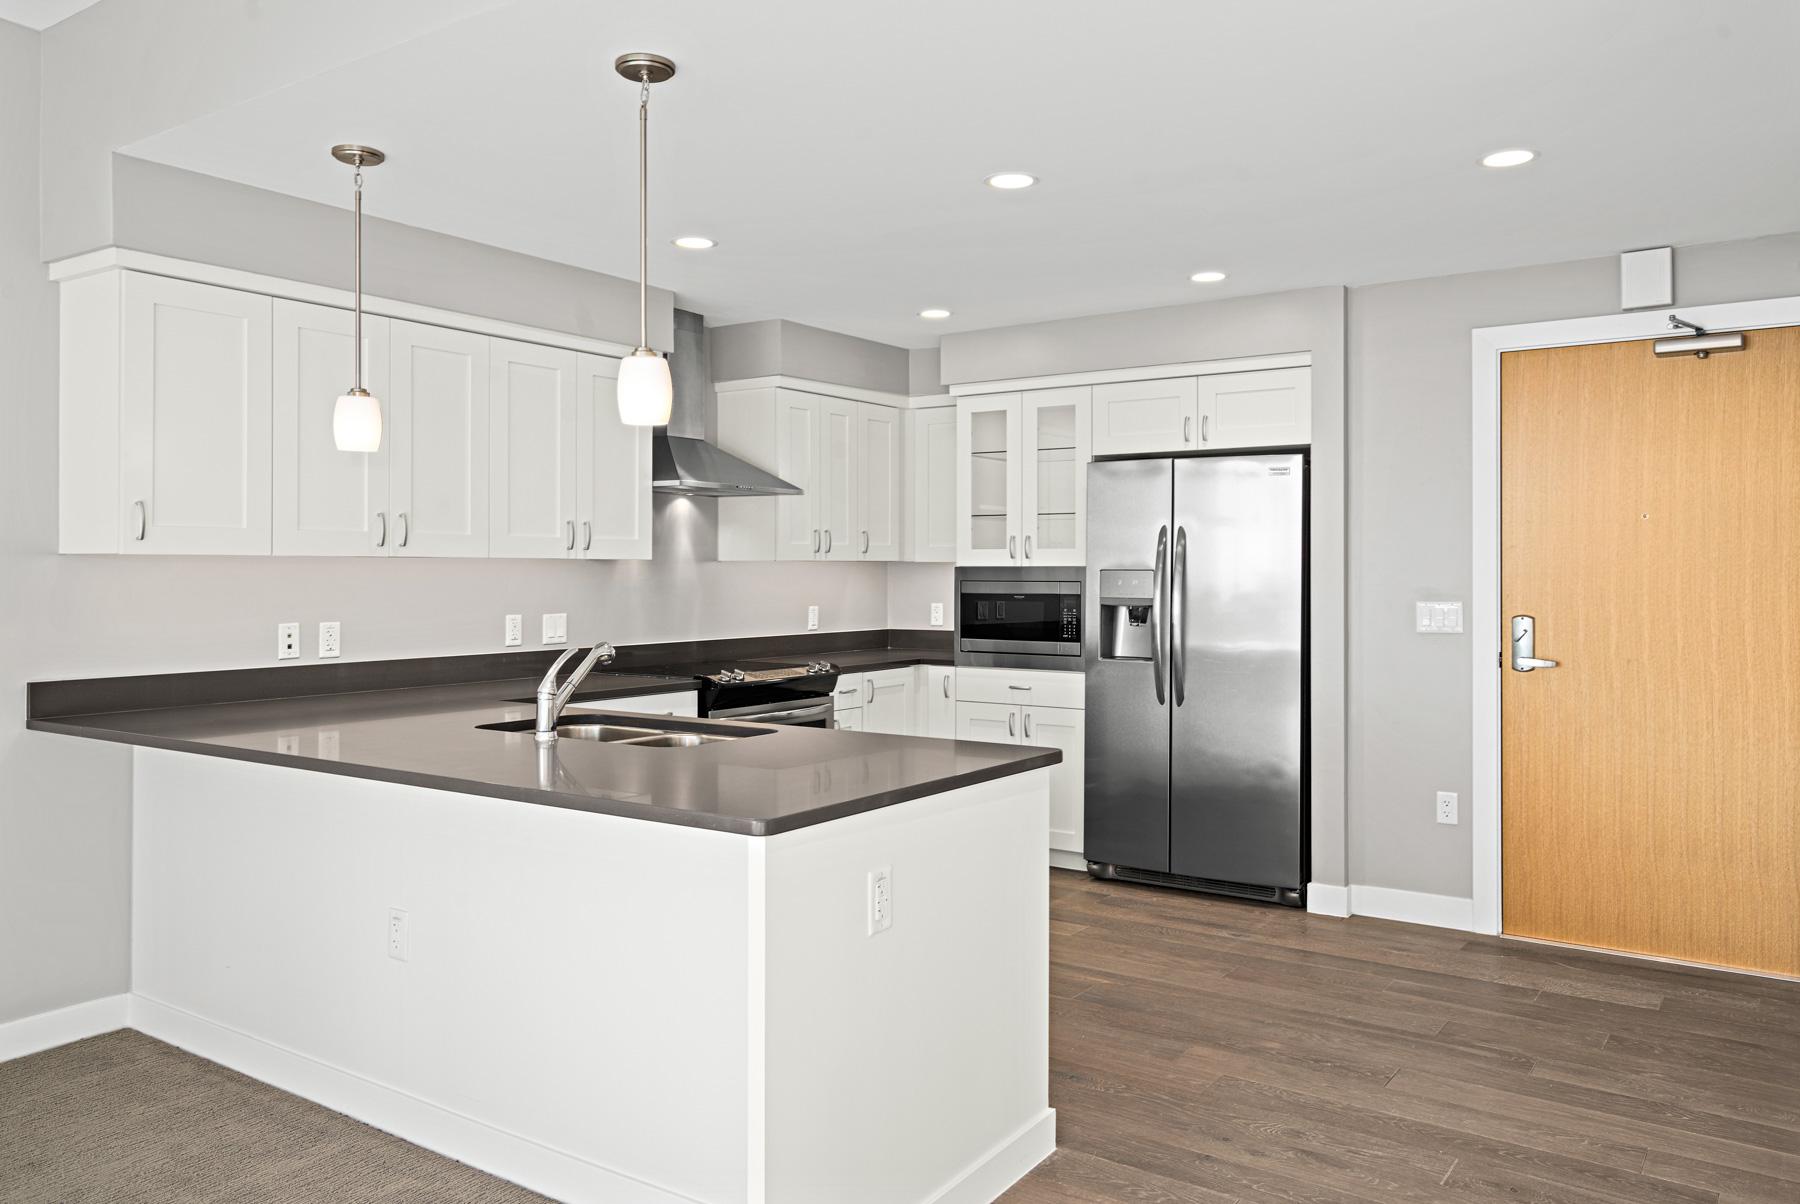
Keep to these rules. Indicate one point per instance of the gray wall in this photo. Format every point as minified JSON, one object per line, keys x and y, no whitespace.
{"x":912,"y":588}
{"x":1310,"y":320}
{"x":924,"y":372}
{"x":777,"y":347}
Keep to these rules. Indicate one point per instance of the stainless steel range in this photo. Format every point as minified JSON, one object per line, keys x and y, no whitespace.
{"x":796,"y":697}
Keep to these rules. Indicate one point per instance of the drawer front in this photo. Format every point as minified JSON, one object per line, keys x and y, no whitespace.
{"x":1021,"y":687}
{"x":849,"y":693}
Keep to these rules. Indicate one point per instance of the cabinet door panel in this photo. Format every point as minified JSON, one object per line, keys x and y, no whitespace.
{"x":327,"y":502}
{"x":533,"y":450}
{"x":888,"y":701}
{"x":849,"y":721}
{"x":940,"y":702}
{"x":1257,"y":409}
{"x":931,"y":476}
{"x":798,"y":518}
{"x":878,"y":490}
{"x":195,"y":453}
{"x":839,"y":479}
{"x":616,"y":509}
{"x":989,"y":722}
{"x":438,"y":469}
{"x":1053,"y":727}
{"x":1057,"y":427}
{"x":1146,"y":416}
{"x":988,"y":479}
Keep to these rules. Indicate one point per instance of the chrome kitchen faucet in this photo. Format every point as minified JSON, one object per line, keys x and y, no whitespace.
{"x":551,"y":698}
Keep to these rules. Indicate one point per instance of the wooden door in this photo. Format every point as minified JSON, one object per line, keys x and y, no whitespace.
{"x":1146,"y":416}
{"x":1651,"y":528}
{"x":194,"y":418}
{"x":327,"y":502}
{"x":615,"y":508}
{"x":533,"y":451}
{"x":438,"y":468}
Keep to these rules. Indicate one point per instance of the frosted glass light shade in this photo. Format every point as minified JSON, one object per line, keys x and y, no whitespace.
{"x":645,"y":392}
{"x":356,"y":422}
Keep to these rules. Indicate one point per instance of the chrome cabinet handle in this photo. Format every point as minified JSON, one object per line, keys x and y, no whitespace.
{"x":1157,"y":581}
{"x":1012,"y":547}
{"x":1203,"y":425}
{"x":827,"y":541}
{"x":587,"y":535}
{"x":1187,"y":430}
{"x":1012,"y":724}
{"x":869,"y":690}
{"x":847,"y":693}
{"x":1028,"y":725}
{"x":405,"y":529}
{"x":1524,"y":644}
{"x":1028,"y":547}
{"x":381,"y":526}
{"x":141,"y":517}
{"x":570,"y":545}
{"x":815,"y":539}
{"x":1025,"y":688}
{"x":1178,"y":618}
{"x":865,"y":543}
{"x":946,"y":685}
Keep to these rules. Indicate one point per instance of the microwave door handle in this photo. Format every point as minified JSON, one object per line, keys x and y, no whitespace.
{"x":1158,"y":583}
{"x":1178,"y":619}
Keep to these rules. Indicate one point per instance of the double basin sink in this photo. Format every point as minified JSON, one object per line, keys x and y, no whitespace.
{"x":612,"y":729}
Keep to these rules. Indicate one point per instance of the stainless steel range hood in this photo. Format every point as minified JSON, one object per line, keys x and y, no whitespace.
{"x":682,"y":461}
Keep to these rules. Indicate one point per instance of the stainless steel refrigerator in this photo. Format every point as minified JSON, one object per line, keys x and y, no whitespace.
{"x":1196,"y":659}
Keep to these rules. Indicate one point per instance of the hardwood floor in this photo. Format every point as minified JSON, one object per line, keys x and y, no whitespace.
{"x":1205,"y":1051}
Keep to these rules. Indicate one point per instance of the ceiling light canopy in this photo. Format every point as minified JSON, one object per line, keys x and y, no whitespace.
{"x":1508,"y":158}
{"x":1208,"y":277}
{"x":646,"y":394}
{"x":695,"y":242}
{"x":1011,"y":180}
{"x":934,"y":314}
{"x":356,"y":416}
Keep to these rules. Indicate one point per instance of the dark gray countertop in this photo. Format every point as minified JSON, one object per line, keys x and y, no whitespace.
{"x":786,"y":778}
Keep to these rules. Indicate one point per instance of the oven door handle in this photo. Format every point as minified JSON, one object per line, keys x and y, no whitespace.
{"x":813,"y":712}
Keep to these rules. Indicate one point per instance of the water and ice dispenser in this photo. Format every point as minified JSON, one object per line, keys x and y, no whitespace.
{"x":1127,"y":598}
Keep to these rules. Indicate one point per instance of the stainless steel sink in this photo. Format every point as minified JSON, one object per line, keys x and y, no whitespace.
{"x":605,"y":733}
{"x":617,"y":729}
{"x":678,"y":740}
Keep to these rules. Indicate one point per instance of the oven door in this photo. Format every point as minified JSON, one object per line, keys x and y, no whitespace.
{"x":789,"y":713}
{"x":1019,"y":617}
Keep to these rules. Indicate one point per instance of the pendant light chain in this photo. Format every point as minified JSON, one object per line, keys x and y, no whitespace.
{"x":643,"y":209}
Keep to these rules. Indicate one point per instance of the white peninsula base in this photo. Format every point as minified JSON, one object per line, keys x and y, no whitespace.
{"x":612,"y":1009}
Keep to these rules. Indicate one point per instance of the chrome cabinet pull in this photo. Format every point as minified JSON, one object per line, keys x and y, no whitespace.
{"x":1012,"y":547}
{"x":865,"y":543}
{"x":946,"y":685}
{"x":1028,"y":725}
{"x":1203,"y":425}
{"x":1524,"y":644}
{"x":827,"y":541}
{"x":587,"y":535}
{"x":869,"y":688}
{"x":1027,"y":689}
{"x":1157,"y":581}
{"x":1187,"y":430}
{"x":405,"y":529}
{"x":381,"y":527}
{"x":141,"y":517}
{"x":570,"y":545}
{"x":1178,"y":618}
{"x":815,"y":539}
{"x":1012,"y":724}
{"x":1028,"y":547}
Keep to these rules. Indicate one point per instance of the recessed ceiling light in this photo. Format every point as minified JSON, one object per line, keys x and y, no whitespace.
{"x":1010,"y":180}
{"x":1207,"y":277}
{"x":1508,"y":158}
{"x":694,"y":242}
{"x":934,"y":313}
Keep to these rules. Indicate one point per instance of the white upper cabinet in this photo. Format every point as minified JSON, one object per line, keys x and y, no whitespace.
{"x":800,"y":515}
{"x":988,"y":479}
{"x":327,"y":502}
{"x":194,"y":424}
{"x":614,"y":509}
{"x":438,"y":421}
{"x":533,"y":451}
{"x":931,"y":484}
{"x":1055,"y":425}
{"x":1256,"y":409}
{"x":838,"y":479}
{"x":878,"y":460}
{"x":1146,"y":416}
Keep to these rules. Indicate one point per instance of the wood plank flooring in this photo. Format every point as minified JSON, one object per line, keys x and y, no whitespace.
{"x":1205,"y":1051}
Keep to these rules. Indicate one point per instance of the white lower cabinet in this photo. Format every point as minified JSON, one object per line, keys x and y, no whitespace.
{"x":888,"y":700}
{"x":937,"y":710}
{"x":850,"y":720}
{"x":847,"y":702}
{"x":1004,"y":706}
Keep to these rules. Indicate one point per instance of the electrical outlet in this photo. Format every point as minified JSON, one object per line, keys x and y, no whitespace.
{"x":515,"y":630}
{"x":399,"y":940}
{"x":881,"y":900}
{"x":330,"y":640}
{"x":556,"y":629}
{"x":937,"y":614}
{"x":328,"y":744}
{"x":812,"y":618}
{"x":287,"y":641}
{"x":1446,"y":807}
{"x":288,"y":745}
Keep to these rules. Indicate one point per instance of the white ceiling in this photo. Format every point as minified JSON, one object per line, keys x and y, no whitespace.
{"x":41,"y":14}
{"x":836,"y":150}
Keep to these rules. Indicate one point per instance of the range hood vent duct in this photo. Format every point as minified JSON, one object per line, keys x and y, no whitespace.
{"x":682,"y":461}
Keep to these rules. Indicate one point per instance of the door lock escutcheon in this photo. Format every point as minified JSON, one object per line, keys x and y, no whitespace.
{"x":1524,"y":644}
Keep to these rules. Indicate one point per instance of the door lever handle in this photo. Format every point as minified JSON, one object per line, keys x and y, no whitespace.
{"x":1524,"y":644}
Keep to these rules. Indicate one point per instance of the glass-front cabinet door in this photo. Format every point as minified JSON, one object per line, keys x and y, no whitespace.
{"x":1056,"y":428}
{"x":988,"y":479}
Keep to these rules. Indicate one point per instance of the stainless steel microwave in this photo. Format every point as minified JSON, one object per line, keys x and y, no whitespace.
{"x":1019,"y":618}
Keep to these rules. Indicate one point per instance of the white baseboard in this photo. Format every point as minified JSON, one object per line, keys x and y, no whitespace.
{"x":1060,"y":860}
{"x":1324,"y":899}
{"x":1413,"y":907}
{"x":1002,"y":1166}
{"x":47,"y":1030}
{"x":554,"y":1173}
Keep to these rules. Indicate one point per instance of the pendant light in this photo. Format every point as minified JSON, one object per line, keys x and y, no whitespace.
{"x":645,"y":392}
{"x":356,"y":418}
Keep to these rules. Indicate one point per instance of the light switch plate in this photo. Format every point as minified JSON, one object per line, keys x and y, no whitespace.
{"x":812,"y":618}
{"x":1438,"y":618}
{"x":556,"y":629}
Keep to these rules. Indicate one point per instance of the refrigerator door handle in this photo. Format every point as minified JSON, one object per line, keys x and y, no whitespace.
{"x":1158,"y":586}
{"x":1178,"y":619}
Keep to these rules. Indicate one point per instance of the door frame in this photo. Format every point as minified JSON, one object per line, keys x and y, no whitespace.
{"x":1486,"y":645}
